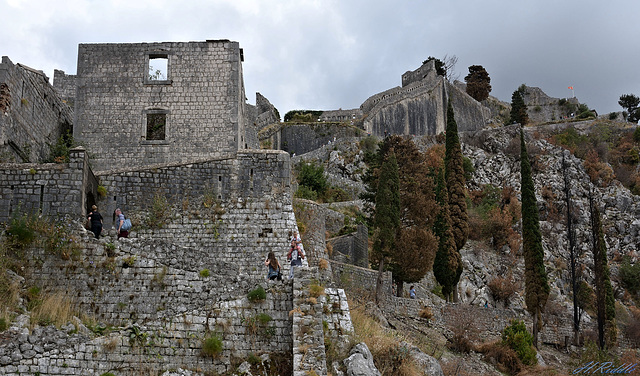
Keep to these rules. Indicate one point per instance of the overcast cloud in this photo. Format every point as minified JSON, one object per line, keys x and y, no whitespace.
{"x":306,"y":54}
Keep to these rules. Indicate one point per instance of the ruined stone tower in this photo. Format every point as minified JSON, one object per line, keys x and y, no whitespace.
{"x":142,"y":104}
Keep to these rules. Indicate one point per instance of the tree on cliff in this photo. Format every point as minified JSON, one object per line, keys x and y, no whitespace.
{"x":630,"y":103}
{"x":413,"y":256}
{"x":574,"y":253}
{"x":535,"y":275}
{"x":478,"y":83}
{"x":605,"y":302}
{"x":447,"y":266}
{"x":445,"y":67}
{"x":386,"y":219}
{"x":518,"y":108}
{"x":456,"y":184}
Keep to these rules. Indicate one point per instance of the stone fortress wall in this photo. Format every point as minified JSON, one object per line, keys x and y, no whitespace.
{"x":226,"y":207}
{"x":153,"y":287}
{"x":32,"y":116}
{"x":349,"y":116}
{"x":201,"y":98}
{"x":65,"y":85}
{"x":419,"y":106}
{"x":51,"y":189}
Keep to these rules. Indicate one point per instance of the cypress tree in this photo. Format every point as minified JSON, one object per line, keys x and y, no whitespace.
{"x":518,"y":109}
{"x":605,"y":301}
{"x":456,"y":188}
{"x":478,"y":83}
{"x":535,"y":275}
{"x":576,"y":280}
{"x":447,"y":265}
{"x":456,"y":185}
{"x":386,"y":219}
{"x":410,"y":261}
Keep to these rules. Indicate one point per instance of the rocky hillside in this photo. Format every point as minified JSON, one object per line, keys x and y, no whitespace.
{"x":494,"y":154}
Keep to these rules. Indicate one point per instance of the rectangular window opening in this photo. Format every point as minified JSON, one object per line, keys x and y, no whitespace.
{"x":156,"y":124}
{"x":158,"y":67}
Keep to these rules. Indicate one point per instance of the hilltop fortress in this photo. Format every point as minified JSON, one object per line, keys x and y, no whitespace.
{"x":178,"y":152}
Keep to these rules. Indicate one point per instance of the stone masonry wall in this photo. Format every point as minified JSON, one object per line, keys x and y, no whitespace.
{"x":65,"y":85}
{"x":163,"y":305}
{"x":303,"y":138}
{"x":202,"y":97}
{"x":229,"y":207}
{"x":353,"y":246}
{"x":419,"y":107}
{"x":55,"y":190}
{"x":354,"y":277}
{"x":349,"y":116}
{"x":33,"y":115}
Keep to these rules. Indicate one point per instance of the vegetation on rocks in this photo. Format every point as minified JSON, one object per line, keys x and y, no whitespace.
{"x":535,"y":276}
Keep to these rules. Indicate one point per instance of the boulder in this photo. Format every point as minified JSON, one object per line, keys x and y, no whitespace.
{"x":360,"y":362}
{"x":429,"y":364}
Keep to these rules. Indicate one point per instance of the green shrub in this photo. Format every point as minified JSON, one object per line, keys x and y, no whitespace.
{"x":335,"y":194}
{"x":159,"y":211}
{"x":437,"y":290}
{"x":630,"y":276}
{"x":59,"y":153}
{"x":107,"y":374}
{"x":59,"y":240}
{"x":312,"y":176}
{"x":254,"y":359}
{"x":128,"y":262}
{"x":306,"y":193}
{"x":636,"y":135}
{"x":468,"y":168}
{"x":489,"y":200}
{"x":204,"y":273}
{"x":263,"y":318}
{"x":212,"y":346}
{"x":520,"y":340}
{"x":369,"y":144}
{"x":20,"y":229}
{"x":102,"y":191}
{"x":257,"y":295}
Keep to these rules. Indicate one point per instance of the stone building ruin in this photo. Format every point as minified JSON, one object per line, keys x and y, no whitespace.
{"x":129,"y":113}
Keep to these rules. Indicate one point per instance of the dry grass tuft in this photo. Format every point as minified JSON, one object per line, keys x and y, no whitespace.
{"x":296,"y":310}
{"x":316,"y":290}
{"x":389,"y":356}
{"x":502,"y":356}
{"x":55,"y":309}
{"x":323,"y":264}
{"x":110,"y":344}
{"x":426,"y":313}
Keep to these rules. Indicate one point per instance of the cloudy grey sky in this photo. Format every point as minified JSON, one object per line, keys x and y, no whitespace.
{"x":330,"y":54}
